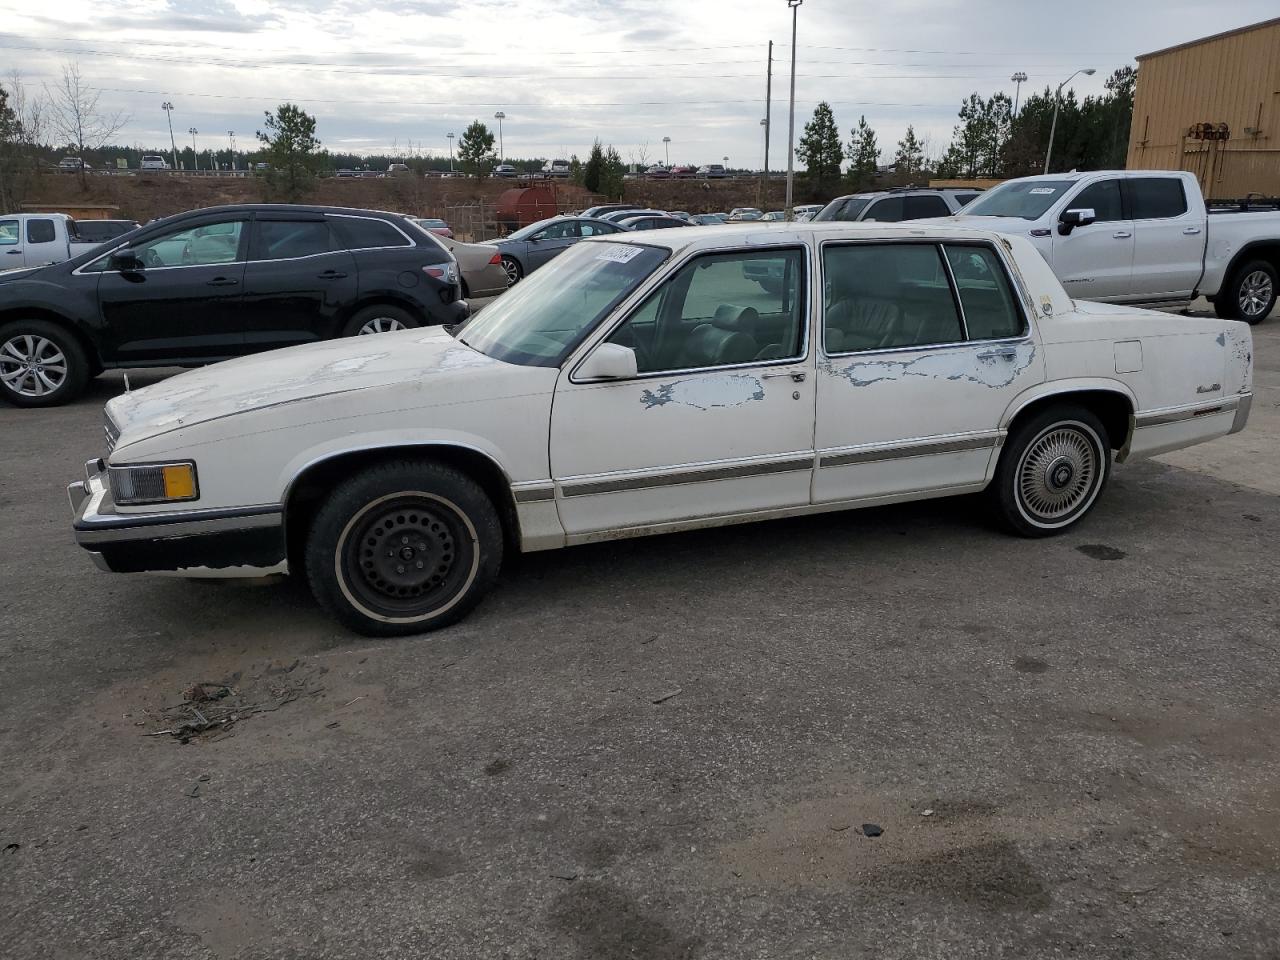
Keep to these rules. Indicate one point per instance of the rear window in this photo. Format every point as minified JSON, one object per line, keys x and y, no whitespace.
{"x":1156,"y":198}
{"x":40,"y":231}
{"x":362,"y":233}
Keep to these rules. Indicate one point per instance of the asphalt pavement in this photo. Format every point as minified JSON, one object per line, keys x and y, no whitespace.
{"x":889,"y":733}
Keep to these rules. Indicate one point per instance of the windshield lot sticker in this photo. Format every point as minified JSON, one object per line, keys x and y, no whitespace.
{"x":618,"y":253}
{"x":704,"y":393}
{"x":1042,"y":191}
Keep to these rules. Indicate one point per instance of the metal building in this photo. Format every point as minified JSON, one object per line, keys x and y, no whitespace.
{"x":1212,"y":106}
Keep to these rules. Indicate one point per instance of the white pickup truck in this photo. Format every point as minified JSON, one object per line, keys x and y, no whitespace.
{"x":35,"y":239}
{"x":1141,"y":236}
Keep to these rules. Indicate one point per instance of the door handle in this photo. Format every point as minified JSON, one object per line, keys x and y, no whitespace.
{"x":222,"y":282}
{"x":330,"y":275}
{"x":1002,"y":353}
{"x":14,"y":253}
{"x":1122,"y":234}
{"x":797,"y":376}
{"x":1191,"y":231}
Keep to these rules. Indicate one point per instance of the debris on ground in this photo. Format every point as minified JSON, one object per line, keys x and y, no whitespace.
{"x":12,"y":847}
{"x":213,"y":707}
{"x":193,"y":790}
{"x":927,"y":813}
{"x":664,"y":697}
{"x":872,"y":830}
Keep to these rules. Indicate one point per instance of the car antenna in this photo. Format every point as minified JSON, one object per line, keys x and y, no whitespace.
{"x":127,"y":388}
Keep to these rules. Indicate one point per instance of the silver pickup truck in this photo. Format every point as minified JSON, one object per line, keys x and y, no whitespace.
{"x":36,"y":239}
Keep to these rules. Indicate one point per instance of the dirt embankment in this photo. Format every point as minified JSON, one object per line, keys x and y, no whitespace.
{"x":144,"y":198}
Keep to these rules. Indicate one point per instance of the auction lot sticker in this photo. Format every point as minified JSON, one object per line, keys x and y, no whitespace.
{"x":618,"y":253}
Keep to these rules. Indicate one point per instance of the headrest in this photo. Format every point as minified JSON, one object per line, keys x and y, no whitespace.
{"x":738,"y":319}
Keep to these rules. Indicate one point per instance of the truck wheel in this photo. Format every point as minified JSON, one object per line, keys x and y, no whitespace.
{"x":379,"y":318}
{"x":1051,"y":471}
{"x":402,"y":548}
{"x":41,"y":364}
{"x":1250,"y":295}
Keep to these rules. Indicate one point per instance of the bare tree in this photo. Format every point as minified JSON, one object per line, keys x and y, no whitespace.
{"x":21,"y":134}
{"x":75,"y":119}
{"x":639,"y":155}
{"x":30,"y":110}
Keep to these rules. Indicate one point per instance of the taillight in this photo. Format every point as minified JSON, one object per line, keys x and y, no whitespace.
{"x":496,"y":260}
{"x":448,"y":273}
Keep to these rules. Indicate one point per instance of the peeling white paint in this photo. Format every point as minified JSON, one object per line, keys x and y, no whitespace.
{"x":965,"y":364}
{"x":705,"y":393}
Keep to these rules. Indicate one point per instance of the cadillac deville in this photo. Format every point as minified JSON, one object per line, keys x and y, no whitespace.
{"x":645,"y":384}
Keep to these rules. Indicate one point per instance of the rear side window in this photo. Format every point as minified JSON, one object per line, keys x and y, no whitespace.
{"x":288,"y":239}
{"x":40,"y":231}
{"x":888,"y":210}
{"x":1155,"y":198}
{"x":885,"y":295}
{"x":964,"y":199}
{"x":990,"y":312}
{"x":917,"y":208}
{"x":1103,"y":198}
{"x":362,"y":233}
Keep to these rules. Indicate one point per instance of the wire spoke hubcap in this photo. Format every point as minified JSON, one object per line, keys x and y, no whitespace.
{"x":1256,"y":292}
{"x":381,"y":325}
{"x":32,"y":365}
{"x":1057,"y":473}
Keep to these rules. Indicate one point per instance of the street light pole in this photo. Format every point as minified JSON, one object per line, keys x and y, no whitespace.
{"x":1019,"y":78}
{"x":449,"y":137}
{"x":1057,"y":99}
{"x":768,"y":115}
{"x":195,"y":157}
{"x":502,"y":150}
{"x":791,"y":121}
{"x":666,"y":145}
{"x":167,"y":107}
{"x":231,"y":138}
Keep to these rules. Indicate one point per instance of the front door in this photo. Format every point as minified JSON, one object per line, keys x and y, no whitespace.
{"x":925,"y":345}
{"x":551,"y":241}
{"x":183,"y":304}
{"x":719,"y":421}
{"x":1095,"y":262}
{"x":297,"y":282}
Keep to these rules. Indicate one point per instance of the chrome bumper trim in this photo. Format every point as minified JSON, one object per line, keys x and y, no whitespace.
{"x":1160,"y":418}
{"x":902,"y":451}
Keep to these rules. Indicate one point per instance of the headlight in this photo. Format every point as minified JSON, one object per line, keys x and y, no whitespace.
{"x":154,"y":483}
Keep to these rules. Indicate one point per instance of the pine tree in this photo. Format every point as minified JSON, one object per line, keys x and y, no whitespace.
{"x":290,"y":146}
{"x":910,"y":157}
{"x":593,"y":172}
{"x":475,"y":150}
{"x":864,"y":155}
{"x":820,"y":150}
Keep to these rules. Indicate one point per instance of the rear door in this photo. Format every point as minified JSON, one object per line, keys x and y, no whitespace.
{"x":297,"y":283}
{"x":1095,"y":262}
{"x":1169,"y":245}
{"x":42,"y":244}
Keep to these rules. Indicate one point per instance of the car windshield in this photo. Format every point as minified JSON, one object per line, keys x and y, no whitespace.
{"x":545,"y":316}
{"x":1026,"y":199}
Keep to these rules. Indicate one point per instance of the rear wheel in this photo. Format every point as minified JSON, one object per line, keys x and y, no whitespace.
{"x":513,"y":270}
{"x":403,"y":548}
{"x":41,"y":364}
{"x":1051,"y":471}
{"x":379,"y":318}
{"x":1250,"y":295}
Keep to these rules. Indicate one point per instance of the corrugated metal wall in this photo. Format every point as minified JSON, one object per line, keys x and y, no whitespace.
{"x":1234,"y":80}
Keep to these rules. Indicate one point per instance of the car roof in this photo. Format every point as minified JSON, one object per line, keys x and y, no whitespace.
{"x":751,"y":234}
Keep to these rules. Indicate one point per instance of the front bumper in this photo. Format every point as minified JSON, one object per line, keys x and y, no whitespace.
{"x":236,"y":541}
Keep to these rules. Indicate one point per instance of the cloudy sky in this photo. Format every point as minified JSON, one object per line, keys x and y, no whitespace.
{"x":405,"y":73}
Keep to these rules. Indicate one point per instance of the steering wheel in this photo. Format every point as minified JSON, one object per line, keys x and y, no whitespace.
{"x":151,"y":258}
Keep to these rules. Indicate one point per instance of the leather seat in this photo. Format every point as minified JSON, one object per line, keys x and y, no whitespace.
{"x":727,"y":338}
{"x":863,"y":308}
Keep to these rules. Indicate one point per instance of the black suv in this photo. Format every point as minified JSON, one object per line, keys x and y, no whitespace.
{"x":217,"y":283}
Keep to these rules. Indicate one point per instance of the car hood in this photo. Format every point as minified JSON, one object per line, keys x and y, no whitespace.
{"x":425,"y":357}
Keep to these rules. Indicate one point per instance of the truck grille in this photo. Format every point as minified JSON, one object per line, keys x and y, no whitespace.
{"x":112,"y":433}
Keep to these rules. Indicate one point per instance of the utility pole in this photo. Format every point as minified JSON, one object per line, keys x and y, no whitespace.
{"x":167,"y":107}
{"x":231,"y":138}
{"x":768,"y":107}
{"x":195,"y":157}
{"x":791,"y":122}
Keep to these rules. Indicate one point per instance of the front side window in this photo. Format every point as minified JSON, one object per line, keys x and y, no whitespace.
{"x":885,"y":295}
{"x":596,"y":229}
{"x":990,"y":310}
{"x":917,"y":208}
{"x":205,"y":245}
{"x":888,"y":210}
{"x":1103,"y":198}
{"x":364,"y":233}
{"x":40,"y":231}
{"x":542,"y":318}
{"x":10,"y":234}
{"x":289,"y":239}
{"x":1157,"y":198}
{"x":564,"y":230}
{"x":721,"y":310}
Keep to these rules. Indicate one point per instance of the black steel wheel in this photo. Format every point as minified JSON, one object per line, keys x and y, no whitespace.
{"x":404,"y":548}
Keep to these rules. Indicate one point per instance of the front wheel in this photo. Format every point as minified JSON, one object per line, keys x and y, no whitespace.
{"x":1250,"y":295}
{"x":513,"y":270}
{"x":403,"y":548}
{"x":1051,"y":471}
{"x":41,"y":364}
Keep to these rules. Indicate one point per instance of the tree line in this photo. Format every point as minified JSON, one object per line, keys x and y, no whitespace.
{"x":989,"y":142}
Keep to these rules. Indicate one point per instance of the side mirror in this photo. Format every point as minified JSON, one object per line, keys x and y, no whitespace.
{"x":610,"y":361}
{"x":1079,"y":217}
{"x":125,"y":260}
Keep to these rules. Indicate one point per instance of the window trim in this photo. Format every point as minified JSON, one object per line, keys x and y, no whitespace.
{"x":1015,"y":288}
{"x":643,"y":295}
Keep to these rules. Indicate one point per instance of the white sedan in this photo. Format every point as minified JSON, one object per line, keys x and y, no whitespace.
{"x":646,"y":384}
